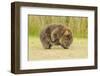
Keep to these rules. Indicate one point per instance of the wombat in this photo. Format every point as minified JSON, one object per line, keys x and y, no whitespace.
{"x":56,"y":34}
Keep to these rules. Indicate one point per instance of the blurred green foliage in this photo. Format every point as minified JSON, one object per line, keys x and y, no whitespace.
{"x":78,"y":25}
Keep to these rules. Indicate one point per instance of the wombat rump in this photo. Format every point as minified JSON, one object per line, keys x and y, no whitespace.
{"x":56,"y":34}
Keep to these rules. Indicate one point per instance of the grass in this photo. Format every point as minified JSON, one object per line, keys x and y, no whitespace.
{"x":78,"y":25}
{"x":78,"y":49}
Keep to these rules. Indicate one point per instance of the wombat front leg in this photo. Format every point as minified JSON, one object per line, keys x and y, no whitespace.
{"x":65,"y":47}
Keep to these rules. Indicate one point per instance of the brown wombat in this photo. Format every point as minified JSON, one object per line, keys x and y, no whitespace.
{"x":56,"y":34}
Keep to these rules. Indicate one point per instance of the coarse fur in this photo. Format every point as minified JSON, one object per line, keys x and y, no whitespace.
{"x":56,"y":34}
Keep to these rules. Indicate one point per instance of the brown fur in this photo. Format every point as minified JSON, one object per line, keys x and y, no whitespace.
{"x":56,"y":34}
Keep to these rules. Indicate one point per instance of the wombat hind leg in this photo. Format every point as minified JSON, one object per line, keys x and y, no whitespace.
{"x":46,"y":46}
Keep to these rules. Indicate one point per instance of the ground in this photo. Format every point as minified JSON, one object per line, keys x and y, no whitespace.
{"x":78,"y":49}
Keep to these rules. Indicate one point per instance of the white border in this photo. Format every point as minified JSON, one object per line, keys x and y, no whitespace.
{"x":24,"y":64}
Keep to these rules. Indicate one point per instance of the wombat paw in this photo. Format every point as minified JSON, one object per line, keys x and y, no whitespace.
{"x":64,"y":47}
{"x":47,"y":47}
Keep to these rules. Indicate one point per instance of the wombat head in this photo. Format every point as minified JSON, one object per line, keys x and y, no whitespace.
{"x":62,"y":35}
{"x":66,"y":39}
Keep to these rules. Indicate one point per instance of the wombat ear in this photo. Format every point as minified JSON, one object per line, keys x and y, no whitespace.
{"x":66,"y":32}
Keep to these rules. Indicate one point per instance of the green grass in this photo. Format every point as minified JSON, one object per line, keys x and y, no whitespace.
{"x":78,"y":25}
{"x":78,"y":49}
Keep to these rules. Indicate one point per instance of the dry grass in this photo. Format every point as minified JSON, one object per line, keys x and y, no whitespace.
{"x":78,"y":49}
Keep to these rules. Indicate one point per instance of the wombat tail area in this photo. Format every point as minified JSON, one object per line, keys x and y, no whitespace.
{"x":45,"y":40}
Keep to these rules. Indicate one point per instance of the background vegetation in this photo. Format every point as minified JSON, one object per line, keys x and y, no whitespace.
{"x":78,"y":25}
